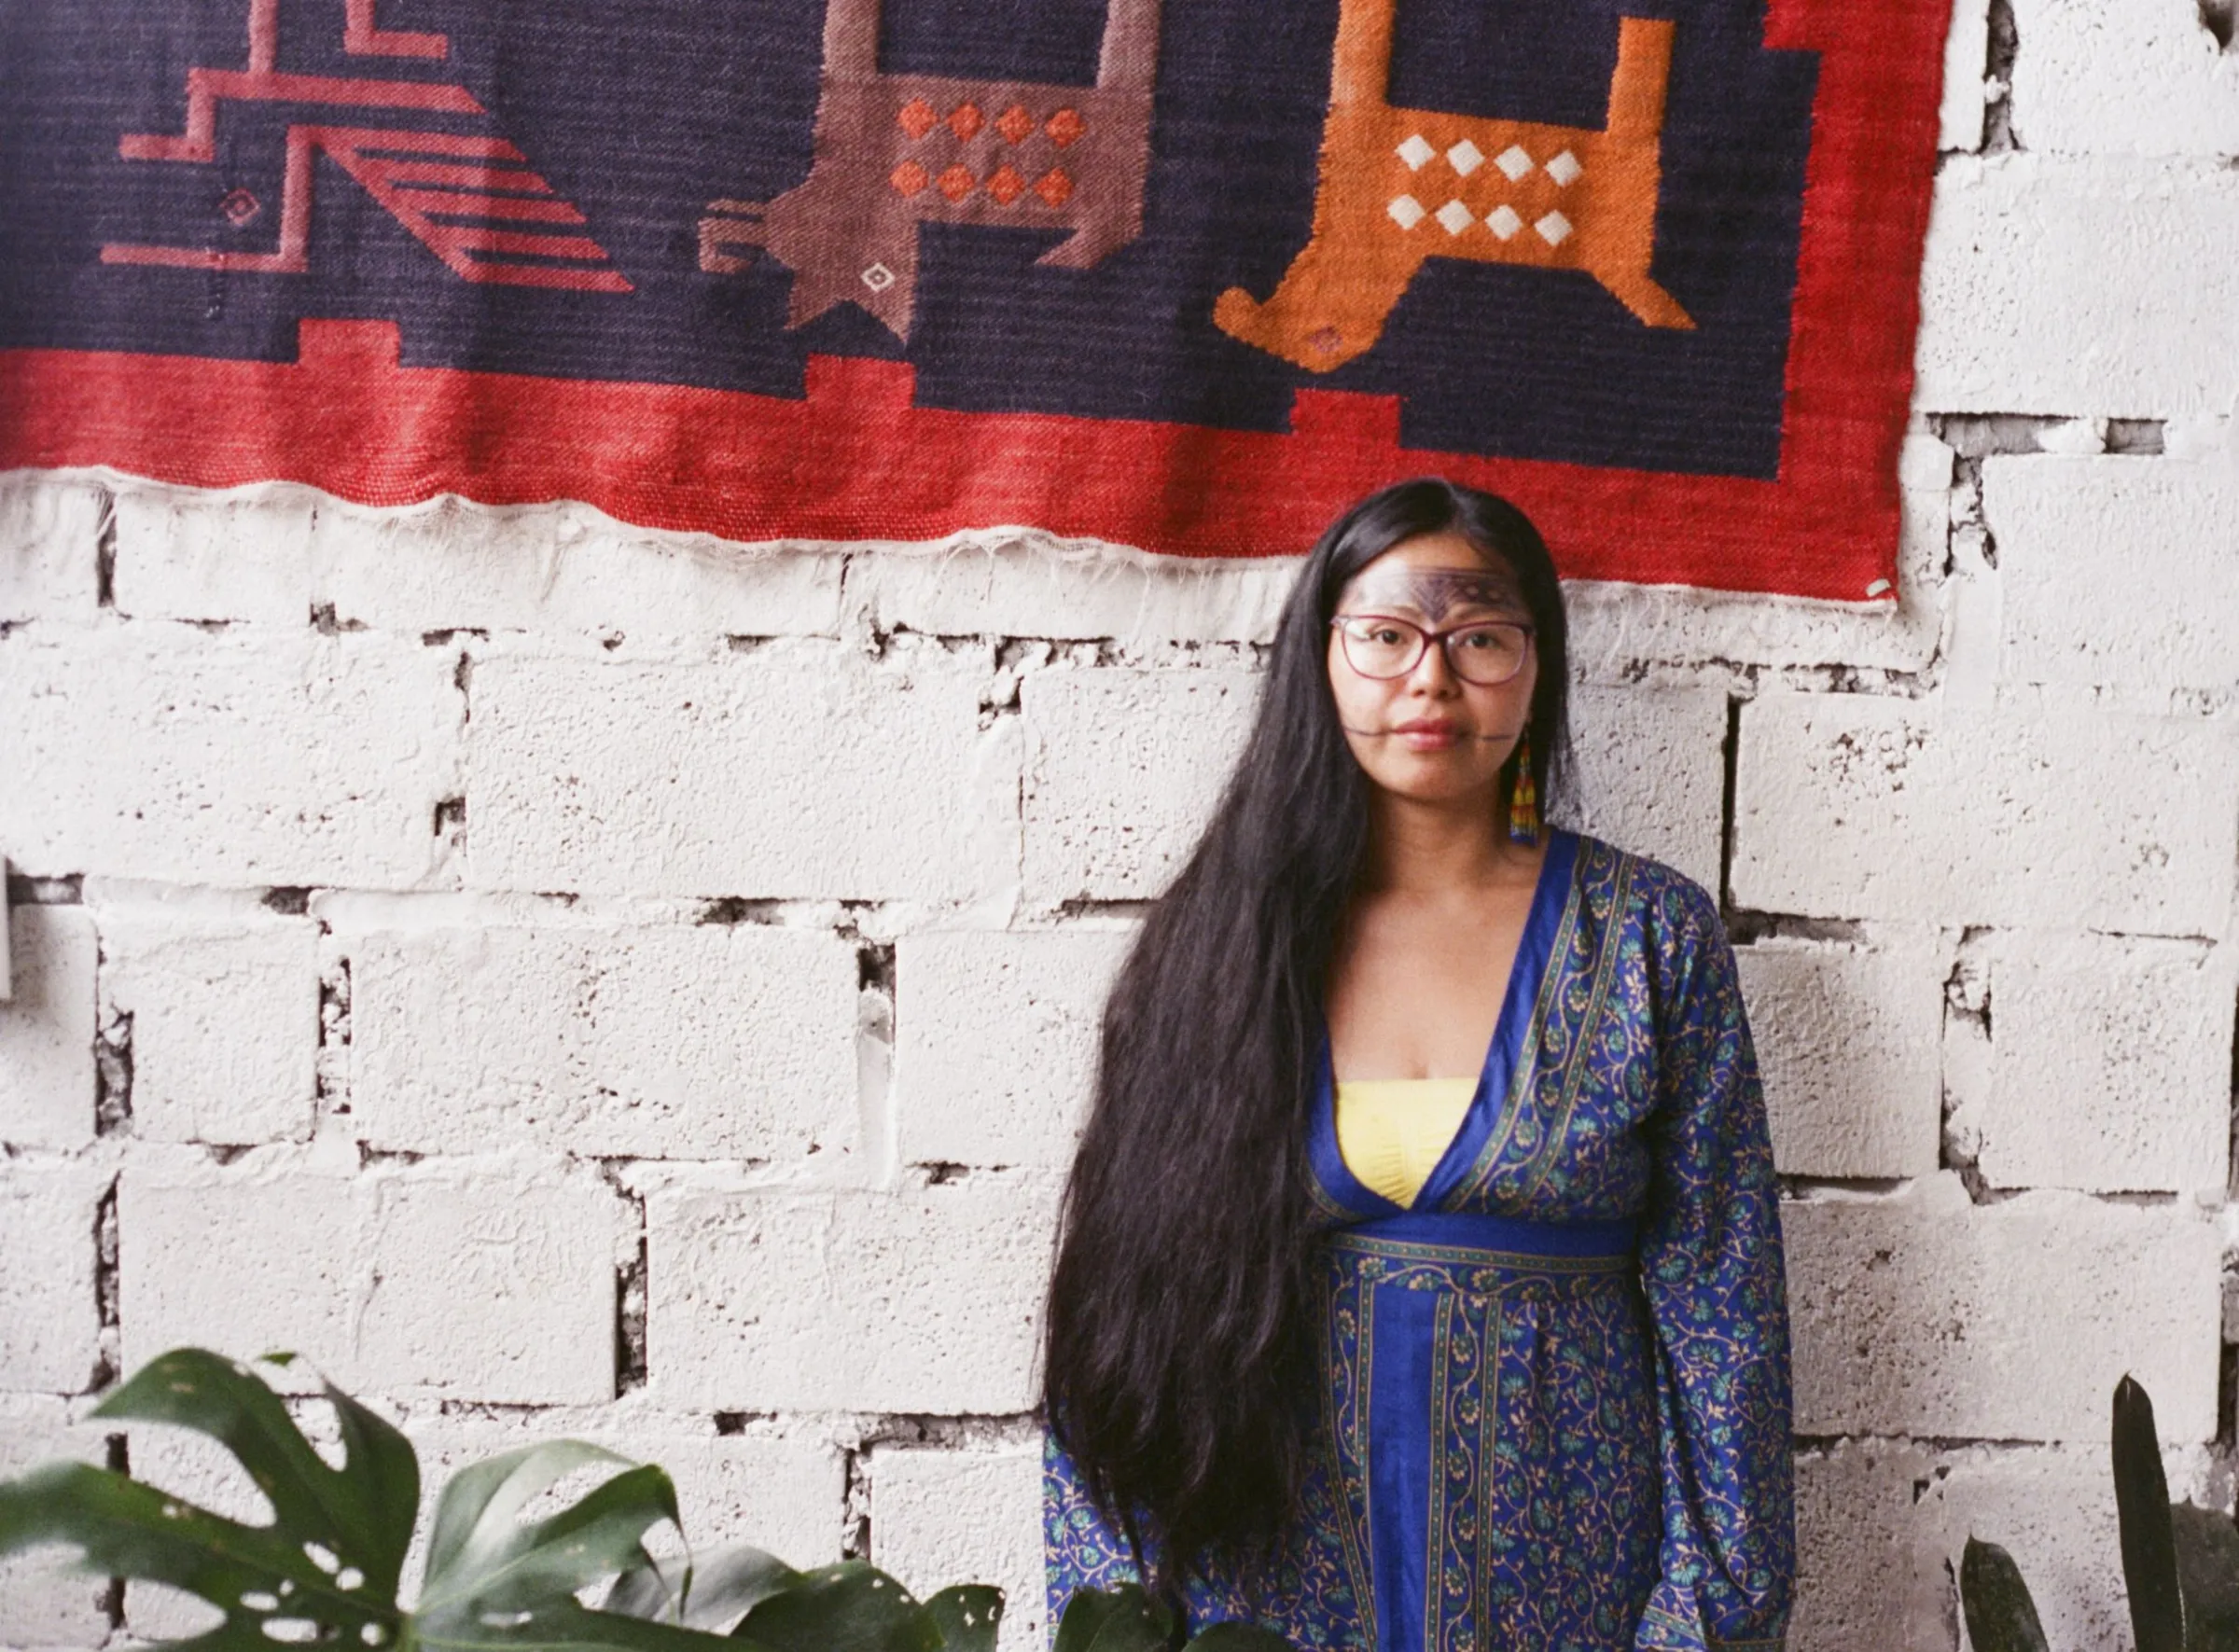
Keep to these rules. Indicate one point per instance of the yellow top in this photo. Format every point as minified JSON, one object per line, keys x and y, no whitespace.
{"x":1393,"y":1132}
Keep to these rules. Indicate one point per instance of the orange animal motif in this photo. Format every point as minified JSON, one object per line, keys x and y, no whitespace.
{"x":1401,"y":186}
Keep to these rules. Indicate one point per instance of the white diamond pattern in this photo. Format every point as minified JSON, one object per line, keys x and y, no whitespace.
{"x":1407,"y":211}
{"x":1515,"y":160}
{"x":1554,"y":228}
{"x":1456,"y":217}
{"x":1564,"y":168}
{"x":1415,"y":151}
{"x":1466,"y":156}
{"x":1504,"y":222}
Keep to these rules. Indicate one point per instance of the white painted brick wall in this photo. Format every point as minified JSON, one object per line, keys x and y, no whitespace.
{"x":804,"y":773}
{"x":46,"y":1025}
{"x":49,"y":1317}
{"x":1124,"y":767}
{"x":368,"y":851}
{"x":732,"y":1041}
{"x":2109,"y":1060}
{"x":292,"y":758}
{"x":2116,"y":572}
{"x":922,"y":1300}
{"x":995,"y":1042}
{"x":1866,"y":806}
{"x":942,"y":1516}
{"x":225,"y":1023}
{"x":1848,"y":1041}
{"x":1922,"y":1314}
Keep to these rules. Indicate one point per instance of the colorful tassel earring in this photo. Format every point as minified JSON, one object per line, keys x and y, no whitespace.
{"x":1523,"y":799}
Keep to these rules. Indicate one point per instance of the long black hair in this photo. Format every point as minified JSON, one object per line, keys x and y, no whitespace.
{"x":1178,"y":1368}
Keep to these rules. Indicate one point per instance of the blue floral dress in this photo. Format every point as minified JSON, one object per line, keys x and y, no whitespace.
{"x":1555,"y":1411}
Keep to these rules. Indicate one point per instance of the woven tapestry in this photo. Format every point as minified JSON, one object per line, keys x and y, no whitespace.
{"x":1183,"y":274}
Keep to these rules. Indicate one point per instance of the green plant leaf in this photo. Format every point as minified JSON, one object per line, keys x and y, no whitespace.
{"x":1238,"y":1637}
{"x":324,"y":1568}
{"x":850,"y":1607}
{"x":968,"y":1616}
{"x":2000,"y":1615}
{"x":709,"y":1594}
{"x":1122,"y":1620}
{"x":565,"y":1625}
{"x":2157,"y":1612}
{"x":2207,"y":1575}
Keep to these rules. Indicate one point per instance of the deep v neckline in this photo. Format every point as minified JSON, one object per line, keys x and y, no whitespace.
{"x":1488,"y":1101}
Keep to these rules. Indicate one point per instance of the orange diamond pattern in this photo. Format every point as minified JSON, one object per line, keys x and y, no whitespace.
{"x":1006,"y":185}
{"x":966,"y":121}
{"x":1065,"y":127}
{"x":908,"y":178}
{"x":1015,"y":124}
{"x":956,"y":183}
{"x":1054,"y":186}
{"x":918,"y":118}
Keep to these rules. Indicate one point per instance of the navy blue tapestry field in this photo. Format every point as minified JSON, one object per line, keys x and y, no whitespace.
{"x":1566,"y":231}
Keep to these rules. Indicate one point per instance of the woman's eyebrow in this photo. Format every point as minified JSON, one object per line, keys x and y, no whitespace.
{"x":1436,"y":593}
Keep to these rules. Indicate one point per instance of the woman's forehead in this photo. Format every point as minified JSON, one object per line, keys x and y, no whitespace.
{"x":1435,"y":574}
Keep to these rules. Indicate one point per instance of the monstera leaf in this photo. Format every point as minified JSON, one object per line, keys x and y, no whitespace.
{"x":325,"y":1571}
{"x":1126,"y":1620}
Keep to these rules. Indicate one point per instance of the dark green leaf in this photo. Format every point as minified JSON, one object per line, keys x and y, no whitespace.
{"x":850,"y":1607}
{"x":2000,"y":1615}
{"x":2207,"y":1574}
{"x":563,"y":1625}
{"x":254,"y":1574}
{"x":733,"y":1581}
{"x":1238,"y":1637}
{"x":361,"y":1513}
{"x":2157,"y":1614}
{"x":494,"y":1564}
{"x":966,"y":1616}
{"x":1122,"y":1620}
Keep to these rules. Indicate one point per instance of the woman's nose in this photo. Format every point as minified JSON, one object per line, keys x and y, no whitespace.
{"x":1432,"y":674}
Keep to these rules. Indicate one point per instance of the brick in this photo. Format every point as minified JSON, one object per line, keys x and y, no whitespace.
{"x":225,"y":1018}
{"x":996,"y":1037}
{"x":1859,"y":1587}
{"x":1035,"y":587}
{"x":1859,"y":806}
{"x":706,"y":1042}
{"x":560,"y":568}
{"x":800,"y":771}
{"x":50,"y":548}
{"x":1848,"y":1040}
{"x":49,"y":1303}
{"x":2110,"y":1065}
{"x":2144,"y":77}
{"x":925,"y":1300}
{"x":2174,"y":625}
{"x":1921,"y":1313}
{"x":2128,"y":265}
{"x":1123,"y":768}
{"x":46,"y":1029}
{"x":2053,"y":1511}
{"x":1965,"y":61}
{"x":483,"y":1281}
{"x":188,"y":555}
{"x":45,"y":1600}
{"x":229,"y":759}
{"x":785,"y":1495}
{"x":1651,"y":773}
{"x":945,"y":1517}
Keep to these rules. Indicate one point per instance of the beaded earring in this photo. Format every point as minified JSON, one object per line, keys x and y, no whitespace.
{"x":1523,"y":798}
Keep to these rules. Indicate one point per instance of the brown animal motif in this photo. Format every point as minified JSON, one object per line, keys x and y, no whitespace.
{"x":895,"y":151}
{"x":1401,"y":186}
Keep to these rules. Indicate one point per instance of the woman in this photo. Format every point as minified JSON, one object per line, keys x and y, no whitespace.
{"x":1420,"y":1283}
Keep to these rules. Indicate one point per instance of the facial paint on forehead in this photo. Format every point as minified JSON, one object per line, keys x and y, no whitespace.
{"x":1434,"y":593}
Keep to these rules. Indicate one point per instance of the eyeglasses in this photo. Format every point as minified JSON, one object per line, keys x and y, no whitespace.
{"x":1486,"y":653}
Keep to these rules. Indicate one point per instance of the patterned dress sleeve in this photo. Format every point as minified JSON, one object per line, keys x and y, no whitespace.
{"x":1711,"y":1267}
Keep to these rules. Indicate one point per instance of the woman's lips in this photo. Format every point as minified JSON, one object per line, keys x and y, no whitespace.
{"x":1426,"y":736}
